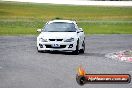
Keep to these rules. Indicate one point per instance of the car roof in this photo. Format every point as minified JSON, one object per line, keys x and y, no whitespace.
{"x":65,"y":21}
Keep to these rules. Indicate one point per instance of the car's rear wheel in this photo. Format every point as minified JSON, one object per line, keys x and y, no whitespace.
{"x":76,"y":52}
{"x":83,"y":47}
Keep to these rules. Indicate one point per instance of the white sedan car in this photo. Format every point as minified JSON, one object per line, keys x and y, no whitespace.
{"x":61,"y":35}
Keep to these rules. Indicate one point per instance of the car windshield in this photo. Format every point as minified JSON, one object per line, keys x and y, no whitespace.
{"x":60,"y":27}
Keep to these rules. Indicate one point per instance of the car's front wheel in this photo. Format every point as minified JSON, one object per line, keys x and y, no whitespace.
{"x":83,"y":47}
{"x":76,"y":52}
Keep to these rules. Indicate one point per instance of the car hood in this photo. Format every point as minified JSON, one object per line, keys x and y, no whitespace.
{"x":57,"y":35}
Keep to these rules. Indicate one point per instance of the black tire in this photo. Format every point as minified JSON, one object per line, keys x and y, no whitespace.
{"x":81,"y":80}
{"x":76,"y":52}
{"x":82,"y":50}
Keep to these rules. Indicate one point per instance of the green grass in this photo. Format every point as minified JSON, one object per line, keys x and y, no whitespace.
{"x":107,"y":27}
{"x":19,"y":27}
{"x":25,"y":18}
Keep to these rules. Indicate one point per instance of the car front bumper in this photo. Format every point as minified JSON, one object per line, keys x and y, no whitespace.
{"x":62,"y":46}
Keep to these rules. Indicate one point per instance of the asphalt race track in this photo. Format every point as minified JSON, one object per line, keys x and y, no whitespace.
{"x":21,"y":66}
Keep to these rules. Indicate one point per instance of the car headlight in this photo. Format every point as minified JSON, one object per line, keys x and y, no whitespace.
{"x":69,"y":40}
{"x":43,"y":40}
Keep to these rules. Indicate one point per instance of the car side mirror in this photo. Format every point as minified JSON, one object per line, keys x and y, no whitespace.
{"x":39,"y":30}
{"x":80,"y":30}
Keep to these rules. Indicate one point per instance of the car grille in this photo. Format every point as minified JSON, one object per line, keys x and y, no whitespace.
{"x":61,"y":46}
{"x":55,"y":39}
